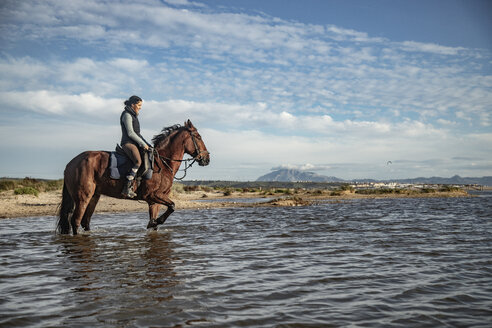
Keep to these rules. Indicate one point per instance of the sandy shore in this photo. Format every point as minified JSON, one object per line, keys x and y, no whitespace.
{"x":46,"y":204}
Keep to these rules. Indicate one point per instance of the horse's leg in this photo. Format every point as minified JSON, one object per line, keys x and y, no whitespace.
{"x":78,"y":213}
{"x":81,"y":177}
{"x":153,"y":212}
{"x":86,"y":219}
{"x":165,"y":215}
{"x":164,"y":200}
{"x":170,"y":209}
{"x":82,"y":202}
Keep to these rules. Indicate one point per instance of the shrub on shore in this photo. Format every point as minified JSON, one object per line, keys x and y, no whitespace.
{"x":7,"y":185}
{"x":447,"y":188}
{"x":26,"y":191}
{"x":177,"y":188}
{"x":36,"y":184}
{"x":381,"y":191}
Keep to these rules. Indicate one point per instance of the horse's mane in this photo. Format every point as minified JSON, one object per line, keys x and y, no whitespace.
{"x":165,"y":134}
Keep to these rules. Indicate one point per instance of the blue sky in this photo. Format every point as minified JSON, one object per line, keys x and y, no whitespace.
{"x":336,"y":87}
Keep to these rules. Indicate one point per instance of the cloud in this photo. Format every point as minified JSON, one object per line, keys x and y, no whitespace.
{"x":184,"y":3}
{"x":301,"y":66}
{"x":248,"y":38}
{"x":445,"y":122}
{"x":430,"y":47}
{"x":320,"y":93}
{"x":87,"y":106}
{"x":345,"y":154}
{"x":58,"y":104}
{"x":302,"y":167}
{"x":343,"y":34}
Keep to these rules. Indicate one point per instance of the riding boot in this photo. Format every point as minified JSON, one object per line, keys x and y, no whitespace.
{"x":128,"y":189}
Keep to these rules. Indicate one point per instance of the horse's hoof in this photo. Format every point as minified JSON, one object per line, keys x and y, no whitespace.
{"x":152,"y":224}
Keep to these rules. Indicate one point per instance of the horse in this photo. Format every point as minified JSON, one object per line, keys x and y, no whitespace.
{"x":87,"y":177}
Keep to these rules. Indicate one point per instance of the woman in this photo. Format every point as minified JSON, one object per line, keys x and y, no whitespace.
{"x":132,"y":141}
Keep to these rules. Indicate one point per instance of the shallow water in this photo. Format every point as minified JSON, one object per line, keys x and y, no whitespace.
{"x":358,"y":263}
{"x":241,"y":200}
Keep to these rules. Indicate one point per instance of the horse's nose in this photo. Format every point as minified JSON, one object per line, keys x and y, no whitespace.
{"x":205,"y":160}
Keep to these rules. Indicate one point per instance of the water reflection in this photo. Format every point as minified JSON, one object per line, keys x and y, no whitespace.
{"x":159,"y":264}
{"x":111,"y":276}
{"x":79,"y":253}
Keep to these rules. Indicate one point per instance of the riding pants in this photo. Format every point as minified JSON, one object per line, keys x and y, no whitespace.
{"x":133,"y":152}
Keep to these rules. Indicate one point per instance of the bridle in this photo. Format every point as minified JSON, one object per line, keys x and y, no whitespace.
{"x":198,"y":151}
{"x":197,"y":156}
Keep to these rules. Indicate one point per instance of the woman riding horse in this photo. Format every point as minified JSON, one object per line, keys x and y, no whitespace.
{"x":87,"y":177}
{"x":132,"y":141}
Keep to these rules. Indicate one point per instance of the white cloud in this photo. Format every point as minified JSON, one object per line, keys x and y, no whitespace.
{"x":184,"y":3}
{"x":430,"y":47}
{"x":53,"y":103}
{"x":346,"y":152}
{"x":446,"y":122}
{"x":129,"y":65}
{"x":302,"y":167}
{"x":230,"y":116}
{"x":246,"y":37}
{"x":321,"y":93}
{"x":342,"y":34}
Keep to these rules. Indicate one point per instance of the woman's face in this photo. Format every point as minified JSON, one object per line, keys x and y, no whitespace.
{"x":137,"y":107}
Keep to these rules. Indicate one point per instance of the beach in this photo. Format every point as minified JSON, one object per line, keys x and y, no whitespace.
{"x":46,"y":203}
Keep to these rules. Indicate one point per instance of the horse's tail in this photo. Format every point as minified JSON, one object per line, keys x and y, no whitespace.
{"x":66,"y":208}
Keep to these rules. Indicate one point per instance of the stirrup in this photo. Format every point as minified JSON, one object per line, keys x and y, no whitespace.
{"x":128,"y":190}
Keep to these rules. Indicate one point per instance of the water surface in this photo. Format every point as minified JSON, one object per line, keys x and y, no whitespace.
{"x":357,"y":263}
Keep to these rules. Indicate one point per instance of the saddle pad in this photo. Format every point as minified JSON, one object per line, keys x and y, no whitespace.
{"x":119,"y":165}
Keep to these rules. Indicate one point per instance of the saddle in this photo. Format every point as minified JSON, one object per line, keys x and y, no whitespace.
{"x":120,"y":164}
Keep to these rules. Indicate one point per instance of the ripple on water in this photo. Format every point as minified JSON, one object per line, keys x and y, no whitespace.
{"x":401,"y":263}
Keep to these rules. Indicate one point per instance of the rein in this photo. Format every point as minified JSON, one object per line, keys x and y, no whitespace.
{"x":165,"y":159}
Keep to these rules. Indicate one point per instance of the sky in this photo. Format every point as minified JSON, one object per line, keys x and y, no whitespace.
{"x":381,"y":89}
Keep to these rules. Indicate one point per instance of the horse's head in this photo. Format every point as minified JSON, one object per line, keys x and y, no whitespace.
{"x":195,"y":146}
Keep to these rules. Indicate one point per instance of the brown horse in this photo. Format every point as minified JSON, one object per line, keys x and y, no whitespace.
{"x":87,"y":177}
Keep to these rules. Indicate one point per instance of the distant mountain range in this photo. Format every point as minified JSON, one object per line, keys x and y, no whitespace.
{"x":484,"y":181}
{"x":293,"y":175}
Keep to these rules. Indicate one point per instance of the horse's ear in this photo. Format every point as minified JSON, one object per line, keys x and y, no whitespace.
{"x":188,"y":124}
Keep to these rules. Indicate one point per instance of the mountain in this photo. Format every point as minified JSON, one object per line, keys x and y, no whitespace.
{"x":293,"y":175}
{"x":484,"y":181}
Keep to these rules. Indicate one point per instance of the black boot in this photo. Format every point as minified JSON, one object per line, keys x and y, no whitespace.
{"x":128,"y":189}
